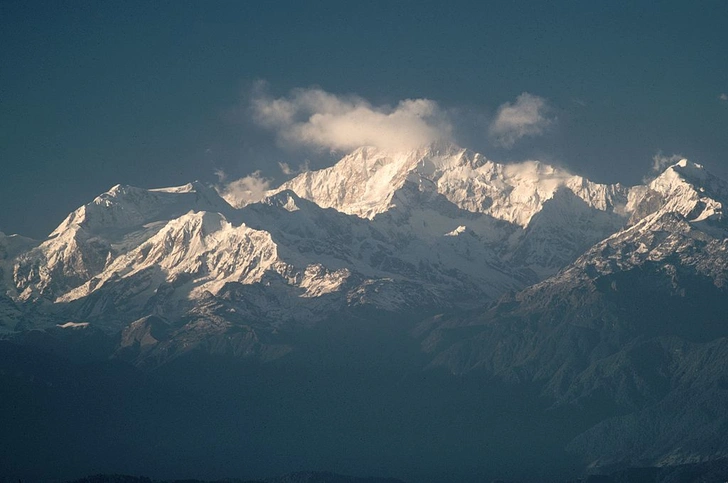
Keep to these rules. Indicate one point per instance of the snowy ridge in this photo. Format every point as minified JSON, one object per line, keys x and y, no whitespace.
{"x":677,"y":220}
{"x":364,"y":183}
{"x":688,"y":189}
{"x":308,"y":261}
{"x":201,"y":247}
{"x":440,"y":227}
{"x":126,"y":207}
{"x":93,"y":235}
{"x":429,"y":192}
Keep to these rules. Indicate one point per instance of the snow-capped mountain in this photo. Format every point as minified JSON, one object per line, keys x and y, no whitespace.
{"x":435,"y":190}
{"x":365,"y":183}
{"x":93,"y":235}
{"x":676,"y":242}
{"x":635,"y":322}
{"x":10,"y":247}
{"x":545,"y":294}
{"x":677,"y":220}
{"x":432,"y":229}
{"x":437,"y":227}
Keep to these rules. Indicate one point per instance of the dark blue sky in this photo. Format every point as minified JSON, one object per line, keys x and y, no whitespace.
{"x":156,"y":93}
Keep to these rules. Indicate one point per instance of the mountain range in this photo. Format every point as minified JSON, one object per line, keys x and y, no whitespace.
{"x":429,"y":315}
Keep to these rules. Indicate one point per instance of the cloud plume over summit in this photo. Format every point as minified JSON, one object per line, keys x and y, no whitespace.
{"x":243,"y":191}
{"x":525,"y":117}
{"x":316,"y":118}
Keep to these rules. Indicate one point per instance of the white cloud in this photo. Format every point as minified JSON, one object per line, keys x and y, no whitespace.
{"x":320,"y":119}
{"x":243,"y":191}
{"x":723,"y":97}
{"x":220,"y":175}
{"x":288,"y":171}
{"x":525,"y":117}
{"x":660,"y":161}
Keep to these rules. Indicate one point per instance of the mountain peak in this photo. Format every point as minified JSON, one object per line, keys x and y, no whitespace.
{"x":124,"y":206}
{"x":193,"y":187}
{"x":685,"y":188}
{"x":439,"y":147}
{"x":684,"y":163}
{"x":364,"y":183}
{"x":286,"y":199}
{"x":686,"y":170}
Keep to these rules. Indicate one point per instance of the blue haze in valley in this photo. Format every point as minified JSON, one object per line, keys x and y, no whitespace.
{"x":157,"y":93}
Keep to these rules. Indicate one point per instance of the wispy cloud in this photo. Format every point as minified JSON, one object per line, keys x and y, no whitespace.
{"x":287,"y":170}
{"x":243,"y":191}
{"x":314,"y":117}
{"x":723,"y":97}
{"x":660,"y":161}
{"x":525,"y":117}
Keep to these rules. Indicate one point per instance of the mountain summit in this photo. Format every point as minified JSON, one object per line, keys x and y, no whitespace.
{"x":365,"y":183}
